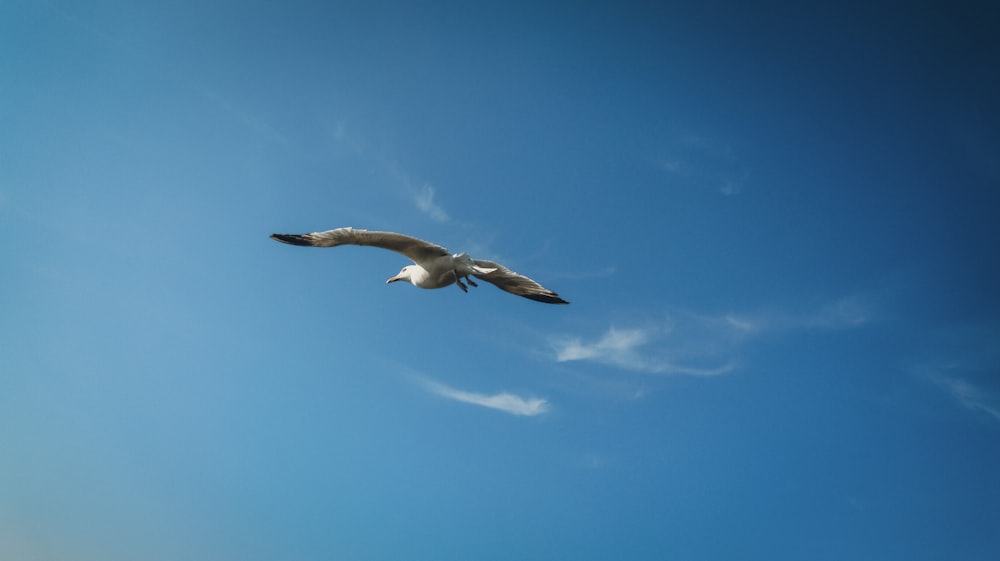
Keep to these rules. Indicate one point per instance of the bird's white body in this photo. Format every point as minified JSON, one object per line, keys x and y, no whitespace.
{"x":439,"y":272}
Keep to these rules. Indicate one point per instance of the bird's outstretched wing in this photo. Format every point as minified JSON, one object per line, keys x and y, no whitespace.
{"x":505,"y":279}
{"x":417,"y":250}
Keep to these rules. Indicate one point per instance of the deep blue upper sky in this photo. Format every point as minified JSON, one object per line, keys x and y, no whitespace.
{"x":777,"y":226}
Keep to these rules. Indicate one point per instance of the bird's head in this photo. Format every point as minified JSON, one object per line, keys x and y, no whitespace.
{"x":403,"y":275}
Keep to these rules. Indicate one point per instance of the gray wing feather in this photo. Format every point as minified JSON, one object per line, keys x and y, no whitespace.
{"x":505,"y":279}
{"x":416,"y":249}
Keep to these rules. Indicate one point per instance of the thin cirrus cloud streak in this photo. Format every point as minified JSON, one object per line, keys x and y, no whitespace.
{"x":843,"y":313}
{"x":969,"y":395}
{"x":628,"y":349}
{"x":504,"y":401}
{"x":685,"y":343}
{"x":424,"y":198}
{"x":963,"y":363}
{"x":422,"y":195}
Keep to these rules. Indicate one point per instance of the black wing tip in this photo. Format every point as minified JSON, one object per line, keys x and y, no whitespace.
{"x":546,"y":298}
{"x":291,"y":239}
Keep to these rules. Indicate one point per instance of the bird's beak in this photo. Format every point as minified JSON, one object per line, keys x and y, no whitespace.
{"x":393,"y":279}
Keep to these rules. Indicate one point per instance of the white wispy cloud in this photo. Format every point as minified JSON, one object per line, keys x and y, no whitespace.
{"x":424,"y":198}
{"x":964,"y":361}
{"x":614,"y":342}
{"x":696,"y":344}
{"x":504,"y":401}
{"x":632,"y":349}
{"x":843,"y":313}
{"x":423,"y":195}
{"x":969,"y":395}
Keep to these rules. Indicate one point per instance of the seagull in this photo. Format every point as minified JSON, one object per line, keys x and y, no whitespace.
{"x":433,"y":266}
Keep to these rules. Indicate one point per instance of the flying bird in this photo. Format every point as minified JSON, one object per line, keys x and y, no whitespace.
{"x":433,"y":266}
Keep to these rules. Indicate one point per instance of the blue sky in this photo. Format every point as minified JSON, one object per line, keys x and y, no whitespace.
{"x":777,"y":225}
